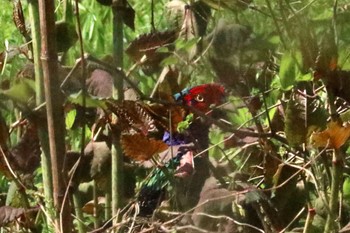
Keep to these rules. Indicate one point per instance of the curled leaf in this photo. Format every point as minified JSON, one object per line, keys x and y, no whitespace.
{"x":334,"y":136}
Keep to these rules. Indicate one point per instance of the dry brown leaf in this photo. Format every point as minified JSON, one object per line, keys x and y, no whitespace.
{"x":334,"y":136}
{"x":141,"y":148}
{"x":147,"y":45}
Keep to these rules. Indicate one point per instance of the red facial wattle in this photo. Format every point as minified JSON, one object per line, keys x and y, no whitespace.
{"x":202,"y":97}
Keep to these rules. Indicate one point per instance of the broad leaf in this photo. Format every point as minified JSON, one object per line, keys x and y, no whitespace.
{"x":21,"y":92}
{"x":90,"y":101}
{"x":288,"y":71}
{"x":70,"y":118}
{"x":333,"y":137}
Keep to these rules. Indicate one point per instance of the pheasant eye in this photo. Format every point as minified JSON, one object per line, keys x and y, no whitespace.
{"x":199,"y":98}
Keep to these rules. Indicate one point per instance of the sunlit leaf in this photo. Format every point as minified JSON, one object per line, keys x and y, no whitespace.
{"x":288,"y":71}
{"x":70,"y":118}
{"x":333,"y":137}
{"x":171,"y":60}
{"x":305,"y":77}
{"x":163,"y":50}
{"x":183,"y":125}
{"x":90,"y":101}
{"x":186,"y":44}
{"x":22,"y":91}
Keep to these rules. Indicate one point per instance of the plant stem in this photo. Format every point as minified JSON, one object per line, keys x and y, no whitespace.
{"x":117,"y":156}
{"x":309,"y":219}
{"x":68,"y":16}
{"x":55,"y":116}
{"x":96,"y":207}
{"x":79,"y":212}
{"x":337,"y":177}
{"x":337,"y":174}
{"x":35,"y":24}
{"x":39,"y":90}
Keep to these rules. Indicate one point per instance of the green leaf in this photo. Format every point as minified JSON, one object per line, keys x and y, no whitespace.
{"x":346,"y":189}
{"x":70,"y":118}
{"x":21,"y":92}
{"x":90,"y":101}
{"x":274,"y":40}
{"x":171,"y":60}
{"x":185,"y":44}
{"x":304,"y":77}
{"x":288,"y":71}
{"x":183,"y":125}
{"x":163,"y":50}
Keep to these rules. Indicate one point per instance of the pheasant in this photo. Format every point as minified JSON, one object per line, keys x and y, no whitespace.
{"x":182,"y":146}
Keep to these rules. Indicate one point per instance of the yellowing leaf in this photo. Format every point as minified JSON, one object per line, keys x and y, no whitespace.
{"x":334,"y":136}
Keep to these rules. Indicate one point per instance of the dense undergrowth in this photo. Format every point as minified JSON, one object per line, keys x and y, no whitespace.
{"x":275,"y":159}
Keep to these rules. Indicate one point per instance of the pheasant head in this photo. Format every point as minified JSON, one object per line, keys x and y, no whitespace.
{"x":202,"y":97}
